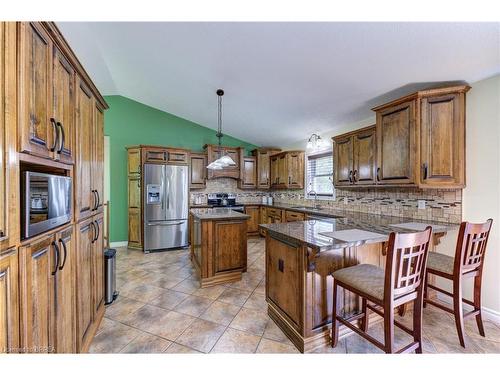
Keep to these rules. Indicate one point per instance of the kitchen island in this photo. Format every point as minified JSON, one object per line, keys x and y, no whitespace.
{"x":300,"y":258}
{"x":218,"y":244}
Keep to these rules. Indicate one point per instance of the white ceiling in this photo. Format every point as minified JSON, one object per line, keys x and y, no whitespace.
{"x":283,"y":81}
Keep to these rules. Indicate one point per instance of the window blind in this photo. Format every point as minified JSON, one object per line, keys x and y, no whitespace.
{"x":319,"y":171}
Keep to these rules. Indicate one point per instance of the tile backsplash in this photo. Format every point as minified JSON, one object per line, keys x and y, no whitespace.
{"x":441,"y":205}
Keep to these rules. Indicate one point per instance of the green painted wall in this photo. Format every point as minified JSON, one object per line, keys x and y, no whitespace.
{"x":129,"y":123}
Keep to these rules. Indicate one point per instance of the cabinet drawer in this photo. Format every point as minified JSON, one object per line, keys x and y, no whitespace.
{"x":156,"y":155}
{"x":294,"y":216}
{"x":177,"y":156}
{"x":274,"y":212}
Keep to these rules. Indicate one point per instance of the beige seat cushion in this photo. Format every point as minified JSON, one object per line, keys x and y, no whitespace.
{"x":366,"y":278}
{"x":440,"y":262}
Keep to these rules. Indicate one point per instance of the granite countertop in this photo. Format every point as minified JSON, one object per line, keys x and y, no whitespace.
{"x":312,"y":232}
{"x":217,"y":214}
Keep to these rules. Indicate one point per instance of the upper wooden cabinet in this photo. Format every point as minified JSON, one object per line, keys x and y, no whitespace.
{"x":354,"y":157}
{"x":98,"y":156}
{"x":263,"y":156}
{"x":9,"y":168}
{"x":213,"y":153}
{"x":248,"y":171}
{"x":287,"y":170}
{"x":198,"y":170}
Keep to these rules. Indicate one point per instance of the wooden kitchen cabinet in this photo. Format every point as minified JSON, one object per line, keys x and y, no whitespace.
{"x":9,"y":302}
{"x":354,"y":156}
{"x":262,"y":220}
{"x":287,"y":170}
{"x":442,"y":140}
{"x":291,"y":216}
{"x":263,"y":157}
{"x":134,"y":198}
{"x":64,"y":107}
{"x":98,"y":157}
{"x":253,"y":222}
{"x":230,"y":171}
{"x":198,"y":171}
{"x":37,"y":127}
{"x":248,"y":171}
{"x":89,"y":280}
{"x":9,"y":167}
{"x":134,"y":161}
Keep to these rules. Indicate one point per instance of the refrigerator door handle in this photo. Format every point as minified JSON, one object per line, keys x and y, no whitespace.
{"x":166,"y":223}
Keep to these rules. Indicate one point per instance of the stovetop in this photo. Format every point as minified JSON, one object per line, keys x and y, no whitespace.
{"x":222,"y":200}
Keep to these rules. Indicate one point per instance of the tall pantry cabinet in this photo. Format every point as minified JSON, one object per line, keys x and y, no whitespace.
{"x":51,"y":118}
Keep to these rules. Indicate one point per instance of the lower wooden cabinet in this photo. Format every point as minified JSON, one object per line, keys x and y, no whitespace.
{"x":253,"y":222}
{"x":47,"y":294}
{"x":9,"y":302}
{"x":294,"y":216}
{"x":262,"y":220}
{"x":89,"y":280}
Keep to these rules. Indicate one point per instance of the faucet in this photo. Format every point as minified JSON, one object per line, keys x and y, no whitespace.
{"x":315,"y":198}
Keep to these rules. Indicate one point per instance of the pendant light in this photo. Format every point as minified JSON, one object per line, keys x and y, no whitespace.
{"x":315,"y":142}
{"x":223,"y":160}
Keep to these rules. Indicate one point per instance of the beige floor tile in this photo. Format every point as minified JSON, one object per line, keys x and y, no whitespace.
{"x":261,"y":288}
{"x":181,"y":349}
{"x":273,"y":332}
{"x":234,"y":341}
{"x":146,"y":343}
{"x":187,"y":286}
{"x":234,"y":296}
{"x":193,"y":305}
{"x":166,"y":281}
{"x":270,"y":346}
{"x":256,"y":301}
{"x":201,"y":335}
{"x":122,"y":307}
{"x":212,"y":292}
{"x":143,"y":293}
{"x":113,"y":338}
{"x":250,"y":320}
{"x":169,"y":299}
{"x":220,"y":313}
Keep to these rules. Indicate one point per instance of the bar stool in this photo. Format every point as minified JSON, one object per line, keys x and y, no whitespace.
{"x":401,"y":282}
{"x":467,"y":262}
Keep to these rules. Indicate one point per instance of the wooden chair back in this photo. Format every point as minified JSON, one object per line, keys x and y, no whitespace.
{"x":471,"y":246}
{"x":406,"y":261}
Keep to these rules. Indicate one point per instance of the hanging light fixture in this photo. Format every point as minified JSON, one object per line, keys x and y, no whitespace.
{"x":222,"y":160}
{"x":315,"y":142}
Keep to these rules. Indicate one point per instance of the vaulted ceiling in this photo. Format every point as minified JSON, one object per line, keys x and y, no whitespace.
{"x":283,"y":81}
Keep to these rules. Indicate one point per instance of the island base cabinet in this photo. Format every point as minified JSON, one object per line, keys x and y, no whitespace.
{"x":299,"y":289}
{"x":9,"y":303}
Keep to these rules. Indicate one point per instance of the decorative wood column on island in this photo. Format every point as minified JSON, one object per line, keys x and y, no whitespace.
{"x":299,"y":264}
{"x":218,"y":244}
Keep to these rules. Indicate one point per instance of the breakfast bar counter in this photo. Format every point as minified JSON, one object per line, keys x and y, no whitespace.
{"x":302,"y":255}
{"x":218,"y":244}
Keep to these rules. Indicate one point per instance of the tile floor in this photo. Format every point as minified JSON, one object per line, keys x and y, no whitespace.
{"x":161,"y":309}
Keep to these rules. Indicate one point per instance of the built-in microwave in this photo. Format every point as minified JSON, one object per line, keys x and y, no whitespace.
{"x":46,"y":202}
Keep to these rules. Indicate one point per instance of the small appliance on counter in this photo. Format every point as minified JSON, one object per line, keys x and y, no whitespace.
{"x":225,"y":200}
{"x":264,"y":199}
{"x":270,"y":200}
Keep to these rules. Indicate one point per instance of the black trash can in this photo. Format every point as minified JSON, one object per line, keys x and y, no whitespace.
{"x":110,"y":276}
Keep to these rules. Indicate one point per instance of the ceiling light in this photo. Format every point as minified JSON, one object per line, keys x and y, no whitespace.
{"x":315,"y":142}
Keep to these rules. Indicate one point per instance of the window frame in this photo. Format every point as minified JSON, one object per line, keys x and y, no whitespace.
{"x":318,"y":154}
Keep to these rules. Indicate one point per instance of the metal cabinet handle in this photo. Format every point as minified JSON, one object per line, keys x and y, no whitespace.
{"x":98,"y":231}
{"x":98,"y":199}
{"x":354,"y":176}
{"x":350,"y":177}
{"x":56,"y":248}
{"x":63,"y":137}
{"x":55,"y":133}
{"x":65,"y":253}
{"x":378,"y":174}
{"x":95,"y":200}
{"x":424,"y":167}
{"x":94,"y":231}
{"x":289,"y":180}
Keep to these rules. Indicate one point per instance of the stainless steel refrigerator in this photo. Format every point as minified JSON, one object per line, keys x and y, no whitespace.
{"x":166,"y":206}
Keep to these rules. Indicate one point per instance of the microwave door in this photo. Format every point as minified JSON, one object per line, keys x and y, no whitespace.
{"x":154,"y":181}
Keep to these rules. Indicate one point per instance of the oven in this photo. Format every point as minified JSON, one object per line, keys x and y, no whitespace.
{"x":46,"y":202}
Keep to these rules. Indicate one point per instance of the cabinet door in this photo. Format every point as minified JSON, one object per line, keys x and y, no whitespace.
{"x":263,"y":170}
{"x":343,"y":154}
{"x":274,"y":171}
{"x":64,"y":107}
{"x":442,"y":141}
{"x":198,"y":172}
{"x":248,"y":173}
{"x":85,"y":234}
{"x":364,"y":158}
{"x":396,"y":137}
{"x":134,"y":161}
{"x":282,"y":171}
{"x":65,"y":308}
{"x":38,"y":264}
{"x":98,"y":157}
{"x":9,"y":302}
{"x":230,"y":239}
{"x":37,"y":132}
{"x":295,"y":165}
{"x":282,"y":278}
{"x":98,"y":266}
{"x":134,"y":228}
{"x":253,"y":222}
{"x":85,"y":197}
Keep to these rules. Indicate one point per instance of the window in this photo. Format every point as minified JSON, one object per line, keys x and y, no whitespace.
{"x":319,"y":172}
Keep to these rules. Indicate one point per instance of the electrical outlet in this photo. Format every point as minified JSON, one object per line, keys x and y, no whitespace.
{"x":346,"y":200}
{"x":421,"y":204}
